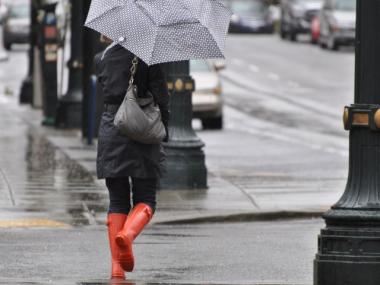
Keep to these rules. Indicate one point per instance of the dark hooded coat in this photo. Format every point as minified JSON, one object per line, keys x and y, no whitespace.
{"x":118,"y":156}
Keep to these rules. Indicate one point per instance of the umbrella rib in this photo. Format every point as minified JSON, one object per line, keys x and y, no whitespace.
{"x":196,"y":17}
{"x":103,"y":14}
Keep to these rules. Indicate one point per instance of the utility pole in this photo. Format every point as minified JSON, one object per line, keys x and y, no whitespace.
{"x":69,"y":113}
{"x":349,"y":245}
{"x":185,"y":157}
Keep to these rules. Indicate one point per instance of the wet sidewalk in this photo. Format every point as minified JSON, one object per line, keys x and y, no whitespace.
{"x":48,"y":176}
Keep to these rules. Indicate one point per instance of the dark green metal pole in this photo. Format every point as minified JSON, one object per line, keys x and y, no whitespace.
{"x":185,"y":157}
{"x":70,"y":105}
{"x":349,"y":246}
{"x":26,"y":92}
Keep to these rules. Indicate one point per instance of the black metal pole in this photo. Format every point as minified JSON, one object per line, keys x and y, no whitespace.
{"x":185,"y":157}
{"x":349,"y":246}
{"x":91,"y":46}
{"x":26,"y":92}
{"x":49,"y":42}
{"x":70,"y":105}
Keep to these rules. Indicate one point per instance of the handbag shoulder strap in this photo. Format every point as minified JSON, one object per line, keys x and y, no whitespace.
{"x":135,"y":62}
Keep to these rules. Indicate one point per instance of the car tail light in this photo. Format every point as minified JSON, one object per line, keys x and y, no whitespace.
{"x":218,"y":90}
{"x":335,"y":28}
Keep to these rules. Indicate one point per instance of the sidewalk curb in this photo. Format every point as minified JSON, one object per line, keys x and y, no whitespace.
{"x":138,"y":282}
{"x":246,"y":217}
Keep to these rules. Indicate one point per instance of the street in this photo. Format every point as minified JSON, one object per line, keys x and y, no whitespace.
{"x":291,"y":85}
{"x":283,"y":147}
{"x":239,"y":253}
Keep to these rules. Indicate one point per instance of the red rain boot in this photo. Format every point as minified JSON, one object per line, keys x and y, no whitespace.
{"x":136,"y":221}
{"x":115,"y":223}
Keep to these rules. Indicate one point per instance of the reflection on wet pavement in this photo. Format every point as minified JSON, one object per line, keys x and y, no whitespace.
{"x":37,"y":181}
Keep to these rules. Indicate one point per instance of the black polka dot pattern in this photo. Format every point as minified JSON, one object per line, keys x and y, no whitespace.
{"x":160,"y":31}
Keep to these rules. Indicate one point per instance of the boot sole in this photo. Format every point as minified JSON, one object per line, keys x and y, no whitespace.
{"x":126,"y":257}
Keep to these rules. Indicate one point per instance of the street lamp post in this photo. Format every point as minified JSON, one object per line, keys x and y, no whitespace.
{"x":70,"y":105}
{"x":349,"y":245}
{"x":185,"y":157}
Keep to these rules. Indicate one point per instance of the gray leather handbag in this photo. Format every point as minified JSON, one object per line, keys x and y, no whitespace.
{"x":139,"y":118}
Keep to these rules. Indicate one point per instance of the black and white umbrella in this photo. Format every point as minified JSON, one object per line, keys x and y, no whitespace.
{"x":160,"y":31}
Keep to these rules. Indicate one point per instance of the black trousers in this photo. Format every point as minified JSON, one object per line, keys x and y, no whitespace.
{"x":143,"y":191}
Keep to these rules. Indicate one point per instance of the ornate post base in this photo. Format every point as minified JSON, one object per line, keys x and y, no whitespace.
{"x":69,"y":114}
{"x":26,"y":92}
{"x":349,"y":249}
{"x":186,"y":168}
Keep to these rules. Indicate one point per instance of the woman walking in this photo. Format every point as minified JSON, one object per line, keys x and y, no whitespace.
{"x":130,"y":168}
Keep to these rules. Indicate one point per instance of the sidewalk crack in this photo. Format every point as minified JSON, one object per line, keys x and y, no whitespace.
{"x":9,"y":187}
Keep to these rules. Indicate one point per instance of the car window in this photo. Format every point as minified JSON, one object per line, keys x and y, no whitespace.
{"x":246,"y":8}
{"x":19,"y":11}
{"x":199,"y":65}
{"x":345,"y":5}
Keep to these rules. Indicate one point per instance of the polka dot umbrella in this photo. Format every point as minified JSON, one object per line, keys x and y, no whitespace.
{"x":160,"y":31}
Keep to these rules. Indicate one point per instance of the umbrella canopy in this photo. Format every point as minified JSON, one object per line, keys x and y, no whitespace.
{"x":160,"y":31}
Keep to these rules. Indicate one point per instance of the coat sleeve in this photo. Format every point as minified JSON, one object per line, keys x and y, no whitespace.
{"x":159,"y":88}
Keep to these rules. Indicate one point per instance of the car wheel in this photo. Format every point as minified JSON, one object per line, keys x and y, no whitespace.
{"x":283,"y":33}
{"x":7,"y":46}
{"x":293,"y":36}
{"x":322,"y":44}
{"x":212,"y":123}
{"x":331,"y":43}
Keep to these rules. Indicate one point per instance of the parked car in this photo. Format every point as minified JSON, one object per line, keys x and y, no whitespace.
{"x":296,"y":17}
{"x":250,"y":16}
{"x":338,"y":23}
{"x":315,"y":30}
{"x":17,"y":24}
{"x":207,"y":98}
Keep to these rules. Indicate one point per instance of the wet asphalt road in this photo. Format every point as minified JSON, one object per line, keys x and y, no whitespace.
{"x":292,"y":94}
{"x":294,"y":85}
{"x":237,"y":253}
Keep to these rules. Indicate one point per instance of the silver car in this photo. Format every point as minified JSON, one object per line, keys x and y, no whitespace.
{"x":17,"y":24}
{"x":337,"y":23}
{"x":207,"y":98}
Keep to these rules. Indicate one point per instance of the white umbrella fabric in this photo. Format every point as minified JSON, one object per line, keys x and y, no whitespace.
{"x":160,"y":31}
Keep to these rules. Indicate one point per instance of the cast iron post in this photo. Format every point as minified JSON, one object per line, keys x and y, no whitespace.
{"x":185,"y":157}
{"x":349,"y":246}
{"x":70,"y":105}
